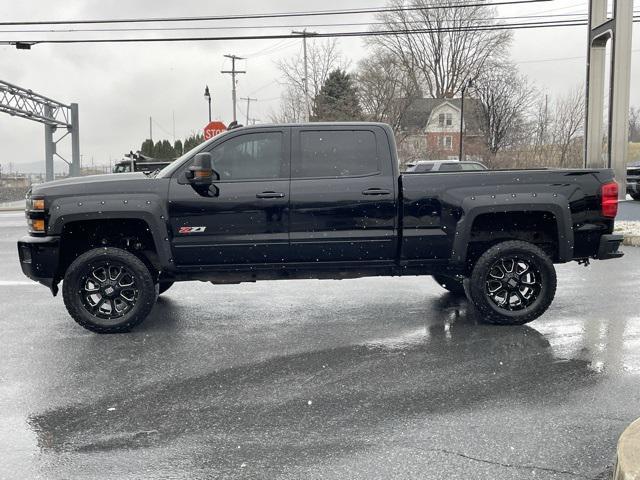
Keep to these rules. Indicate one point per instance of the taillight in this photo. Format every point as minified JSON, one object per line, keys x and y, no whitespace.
{"x":609,"y":199}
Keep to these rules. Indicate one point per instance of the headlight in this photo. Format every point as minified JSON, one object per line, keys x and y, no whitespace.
{"x":35,"y":213}
{"x":36,"y":225}
{"x":37,"y":204}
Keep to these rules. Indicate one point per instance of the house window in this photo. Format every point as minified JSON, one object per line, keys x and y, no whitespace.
{"x":445,"y":142}
{"x":445,"y":119}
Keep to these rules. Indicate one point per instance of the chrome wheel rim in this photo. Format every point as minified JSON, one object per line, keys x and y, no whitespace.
{"x":109,"y":290}
{"x":513,"y":283}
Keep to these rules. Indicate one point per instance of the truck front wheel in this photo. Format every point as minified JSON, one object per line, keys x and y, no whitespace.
{"x":512,"y":283}
{"x":108,"y":290}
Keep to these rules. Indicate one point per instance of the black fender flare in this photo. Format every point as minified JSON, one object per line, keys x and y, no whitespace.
{"x":552,"y":203}
{"x":146,"y":207}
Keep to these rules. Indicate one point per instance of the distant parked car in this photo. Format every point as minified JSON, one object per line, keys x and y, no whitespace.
{"x":422,"y":166}
{"x":633,"y":180}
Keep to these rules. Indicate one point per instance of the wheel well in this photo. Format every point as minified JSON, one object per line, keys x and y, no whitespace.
{"x":133,"y":235}
{"x":537,"y":227}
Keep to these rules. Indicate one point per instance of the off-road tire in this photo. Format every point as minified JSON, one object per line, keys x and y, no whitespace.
{"x":544,"y":284}
{"x":163,"y":287}
{"x":452,"y":284}
{"x":75,"y":295}
{"x":635,"y":196}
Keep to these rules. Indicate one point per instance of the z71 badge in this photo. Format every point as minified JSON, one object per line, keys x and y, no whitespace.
{"x":191,"y":229}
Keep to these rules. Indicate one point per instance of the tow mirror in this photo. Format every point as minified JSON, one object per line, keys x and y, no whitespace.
{"x":201,"y":173}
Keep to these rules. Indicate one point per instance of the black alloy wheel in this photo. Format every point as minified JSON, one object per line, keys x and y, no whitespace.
{"x":512,"y":283}
{"x":108,"y":290}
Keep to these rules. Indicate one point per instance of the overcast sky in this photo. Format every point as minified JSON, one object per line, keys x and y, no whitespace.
{"x":119,"y":86}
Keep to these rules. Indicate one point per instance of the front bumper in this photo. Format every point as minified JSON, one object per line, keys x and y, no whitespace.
{"x":609,"y":247}
{"x":39,"y":258}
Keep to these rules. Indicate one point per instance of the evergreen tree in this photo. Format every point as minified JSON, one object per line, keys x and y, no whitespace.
{"x":147,"y":148}
{"x":337,"y":99}
{"x":163,"y":150}
{"x":193,"y":141}
{"x":177,"y":147}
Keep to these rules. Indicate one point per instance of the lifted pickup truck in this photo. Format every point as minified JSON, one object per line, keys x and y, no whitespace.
{"x":312,"y":201}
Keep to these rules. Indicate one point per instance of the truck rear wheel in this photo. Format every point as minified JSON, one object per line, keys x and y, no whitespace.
{"x":453,"y":284}
{"x":108,"y":290}
{"x":512,"y":283}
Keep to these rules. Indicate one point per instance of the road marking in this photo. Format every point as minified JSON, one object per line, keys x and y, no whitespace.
{"x":9,"y":283}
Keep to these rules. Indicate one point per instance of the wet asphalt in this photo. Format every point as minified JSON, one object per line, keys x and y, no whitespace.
{"x":629,"y":210}
{"x":353,"y":379}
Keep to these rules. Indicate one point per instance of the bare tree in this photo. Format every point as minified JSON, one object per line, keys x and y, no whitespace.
{"x":634,"y":124}
{"x":568,"y":125}
{"x":505,"y":99}
{"x":541,"y":128}
{"x":386,"y":88}
{"x":292,"y":107}
{"x":441,"y":47}
{"x":323,"y":57}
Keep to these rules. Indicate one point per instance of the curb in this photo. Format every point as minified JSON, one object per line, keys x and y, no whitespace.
{"x":631,"y":240}
{"x":11,"y":209}
{"x":628,"y":454}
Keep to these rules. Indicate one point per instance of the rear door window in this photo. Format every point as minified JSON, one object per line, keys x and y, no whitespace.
{"x":336,"y":153}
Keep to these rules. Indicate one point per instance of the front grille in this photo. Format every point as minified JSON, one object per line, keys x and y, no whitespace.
{"x":633,"y":171}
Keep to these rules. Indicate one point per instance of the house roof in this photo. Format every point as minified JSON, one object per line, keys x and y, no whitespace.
{"x":419,"y":111}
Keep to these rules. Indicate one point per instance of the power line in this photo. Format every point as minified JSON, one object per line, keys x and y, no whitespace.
{"x":370,"y":33}
{"x":352,"y":11}
{"x":579,"y":57}
{"x":256,"y":27}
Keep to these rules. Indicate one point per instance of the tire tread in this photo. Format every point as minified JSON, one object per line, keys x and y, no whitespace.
{"x":74,"y":307}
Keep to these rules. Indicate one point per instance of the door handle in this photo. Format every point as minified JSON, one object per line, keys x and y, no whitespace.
{"x":376,"y":191}
{"x":270,"y":195}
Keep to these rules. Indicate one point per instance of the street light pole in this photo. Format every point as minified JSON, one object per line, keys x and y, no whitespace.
{"x":207,"y":96}
{"x":467,"y":84}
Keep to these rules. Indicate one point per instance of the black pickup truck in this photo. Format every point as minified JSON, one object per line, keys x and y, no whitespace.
{"x":312,"y":201}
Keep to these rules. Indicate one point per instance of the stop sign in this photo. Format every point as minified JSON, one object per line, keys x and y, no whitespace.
{"x":213,"y":129}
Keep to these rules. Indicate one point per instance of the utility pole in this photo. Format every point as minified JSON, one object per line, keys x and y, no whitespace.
{"x":467,"y":84}
{"x":233,"y":73}
{"x":249,"y":100}
{"x":150,"y":131}
{"x":304,"y":34}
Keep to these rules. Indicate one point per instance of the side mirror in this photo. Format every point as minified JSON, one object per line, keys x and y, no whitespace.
{"x":201,"y":173}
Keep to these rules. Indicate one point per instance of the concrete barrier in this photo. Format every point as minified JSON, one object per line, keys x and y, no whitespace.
{"x":628,"y":454}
